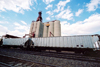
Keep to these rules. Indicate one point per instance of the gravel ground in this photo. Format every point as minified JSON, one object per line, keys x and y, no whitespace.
{"x":52,"y":60}
{"x":13,"y":62}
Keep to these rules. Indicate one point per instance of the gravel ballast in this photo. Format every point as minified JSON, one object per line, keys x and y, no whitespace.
{"x":52,"y":60}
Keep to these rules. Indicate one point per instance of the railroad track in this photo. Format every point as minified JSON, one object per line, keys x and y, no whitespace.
{"x":69,"y":56}
{"x":58,"y":55}
{"x":5,"y":65}
{"x":8,"y":61}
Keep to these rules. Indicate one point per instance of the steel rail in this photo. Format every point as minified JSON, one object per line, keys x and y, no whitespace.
{"x":6,"y":64}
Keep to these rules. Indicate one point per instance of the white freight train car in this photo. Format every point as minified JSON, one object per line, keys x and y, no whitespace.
{"x":79,"y":43}
{"x":14,"y":41}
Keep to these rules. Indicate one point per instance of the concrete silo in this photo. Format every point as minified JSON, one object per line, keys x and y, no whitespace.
{"x":31,"y":27}
{"x":57,"y":28}
{"x":51,"y":29}
{"x":45,"y":30}
{"x":48,"y":29}
{"x":41,"y":25}
{"x":37,"y":28}
{"x":34,"y":26}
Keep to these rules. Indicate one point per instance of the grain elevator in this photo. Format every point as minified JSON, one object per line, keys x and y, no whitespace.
{"x":47,"y":29}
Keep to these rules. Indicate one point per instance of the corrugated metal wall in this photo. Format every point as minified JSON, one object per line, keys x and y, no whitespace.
{"x":85,"y":41}
{"x":14,"y":41}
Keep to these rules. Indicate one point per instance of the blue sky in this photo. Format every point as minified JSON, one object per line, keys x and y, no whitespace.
{"x":77,"y":17}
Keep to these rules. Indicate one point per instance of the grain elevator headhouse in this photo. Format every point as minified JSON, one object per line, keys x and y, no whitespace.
{"x":47,"y":29}
{"x":39,"y":17}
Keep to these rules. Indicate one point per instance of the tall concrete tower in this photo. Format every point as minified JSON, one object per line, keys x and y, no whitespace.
{"x":37,"y":27}
{"x":51,"y":29}
{"x":57,"y":28}
{"x":45,"y":30}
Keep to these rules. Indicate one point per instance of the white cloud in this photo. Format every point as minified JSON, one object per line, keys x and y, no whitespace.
{"x":3,"y":30}
{"x":49,"y":6}
{"x":34,"y":8}
{"x":93,"y":5}
{"x":65,"y":14}
{"x":79,"y":12}
{"x":18,"y":33}
{"x":47,"y":1}
{"x":24,"y":22}
{"x":17,"y":24}
{"x":20,"y":27}
{"x":4,"y":22}
{"x":48,"y":18}
{"x":15,"y":5}
{"x":52,"y":16}
{"x":61,"y":5}
{"x":2,"y":17}
{"x":17,"y":29}
{"x":35,"y":1}
{"x":90,"y":25}
{"x":49,"y":12}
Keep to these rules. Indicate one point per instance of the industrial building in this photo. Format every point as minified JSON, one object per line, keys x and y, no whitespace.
{"x":47,"y":29}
